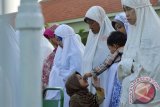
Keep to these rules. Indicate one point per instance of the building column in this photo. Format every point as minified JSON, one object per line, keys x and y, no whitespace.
{"x":29,"y":22}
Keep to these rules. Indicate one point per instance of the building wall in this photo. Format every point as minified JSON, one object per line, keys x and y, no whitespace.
{"x":79,"y":24}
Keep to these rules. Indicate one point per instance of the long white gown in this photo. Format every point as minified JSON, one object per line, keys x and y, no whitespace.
{"x":96,"y":50}
{"x":141,"y":53}
{"x":67,"y":60}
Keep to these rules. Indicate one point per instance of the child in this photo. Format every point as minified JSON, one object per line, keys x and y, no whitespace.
{"x":115,"y":43}
{"x":76,"y":88}
{"x":120,"y":23}
{"x":48,"y":62}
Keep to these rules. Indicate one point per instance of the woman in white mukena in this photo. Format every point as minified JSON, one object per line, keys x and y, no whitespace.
{"x":96,"y":50}
{"x":139,"y":68}
{"x":67,"y":60}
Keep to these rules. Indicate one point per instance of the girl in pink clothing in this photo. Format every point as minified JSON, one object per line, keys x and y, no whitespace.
{"x":48,"y":62}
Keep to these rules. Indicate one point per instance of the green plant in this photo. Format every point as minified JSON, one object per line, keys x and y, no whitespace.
{"x":83,"y":35}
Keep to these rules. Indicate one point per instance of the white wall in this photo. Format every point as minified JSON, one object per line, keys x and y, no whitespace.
{"x":1,"y":7}
{"x":9,"y":6}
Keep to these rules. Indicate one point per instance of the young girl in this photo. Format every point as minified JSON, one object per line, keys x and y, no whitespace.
{"x":120,"y":23}
{"x":48,"y":62}
{"x":76,"y":88}
{"x":141,"y":53}
{"x":68,"y":58}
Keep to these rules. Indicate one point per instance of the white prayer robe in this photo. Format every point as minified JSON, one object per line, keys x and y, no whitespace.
{"x":67,"y":60}
{"x":142,"y":50}
{"x":96,"y":49}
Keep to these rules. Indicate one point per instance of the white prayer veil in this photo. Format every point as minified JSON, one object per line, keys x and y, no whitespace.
{"x":78,"y":37}
{"x":96,"y":47}
{"x":96,"y":50}
{"x":143,"y":48}
{"x":67,"y":60}
{"x":71,"y":44}
{"x":9,"y":61}
{"x":122,"y":18}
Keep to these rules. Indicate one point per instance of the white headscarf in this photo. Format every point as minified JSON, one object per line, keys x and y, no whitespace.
{"x":67,"y":60}
{"x":79,"y":38}
{"x":71,"y":44}
{"x":96,"y":47}
{"x":96,"y":43}
{"x":143,"y":47}
{"x":122,"y":18}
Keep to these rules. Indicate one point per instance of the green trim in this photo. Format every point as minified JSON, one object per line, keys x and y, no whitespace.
{"x":53,"y":103}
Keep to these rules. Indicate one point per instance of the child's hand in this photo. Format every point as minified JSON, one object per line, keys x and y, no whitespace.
{"x":86,"y":75}
{"x":96,"y":82}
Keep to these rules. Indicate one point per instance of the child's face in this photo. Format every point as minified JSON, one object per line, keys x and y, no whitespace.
{"x":120,"y":28}
{"x":83,"y":83}
{"x":113,"y":48}
{"x":54,"y":41}
{"x":59,"y":41}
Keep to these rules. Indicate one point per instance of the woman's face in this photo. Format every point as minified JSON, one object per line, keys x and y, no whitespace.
{"x":130,"y":14}
{"x":120,"y":28}
{"x":94,"y":26}
{"x":83,"y":83}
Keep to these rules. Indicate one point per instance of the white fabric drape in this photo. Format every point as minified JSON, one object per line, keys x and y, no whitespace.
{"x":143,"y":47}
{"x":9,"y":62}
{"x":96,"y":49}
{"x":67,"y":60}
{"x":110,"y":77}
